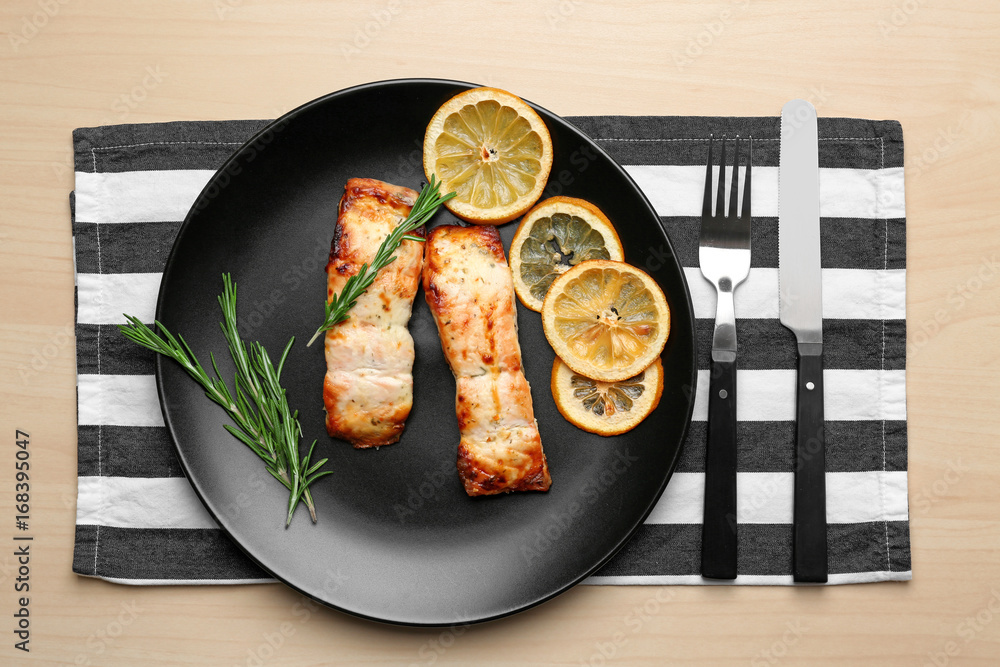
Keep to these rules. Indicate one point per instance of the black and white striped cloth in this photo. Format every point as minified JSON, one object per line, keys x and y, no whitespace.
{"x":139,"y":521}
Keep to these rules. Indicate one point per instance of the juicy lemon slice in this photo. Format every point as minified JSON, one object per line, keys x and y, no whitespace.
{"x":554,"y":236}
{"x":606,"y":408}
{"x":607,"y":320}
{"x":493,"y":150}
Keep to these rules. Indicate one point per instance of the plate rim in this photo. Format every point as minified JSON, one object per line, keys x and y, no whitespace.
{"x":161,"y":362}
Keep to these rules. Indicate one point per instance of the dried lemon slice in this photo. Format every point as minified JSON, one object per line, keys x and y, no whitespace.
{"x":607,"y":320}
{"x":493,"y":150}
{"x":606,"y":408}
{"x":554,"y":236}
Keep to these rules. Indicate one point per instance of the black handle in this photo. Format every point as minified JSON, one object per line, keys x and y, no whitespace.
{"x":718,"y":536}
{"x":809,"y":550}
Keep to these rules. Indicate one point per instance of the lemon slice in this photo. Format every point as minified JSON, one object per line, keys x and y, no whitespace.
{"x":554,"y":236}
{"x":607,"y":320}
{"x":606,"y":408}
{"x":493,"y":150}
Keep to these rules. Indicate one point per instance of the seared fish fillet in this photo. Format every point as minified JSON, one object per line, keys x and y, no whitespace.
{"x":470,"y":292}
{"x":368,"y":391}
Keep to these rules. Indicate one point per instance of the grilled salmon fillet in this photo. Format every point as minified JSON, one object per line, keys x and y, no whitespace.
{"x":470,"y":292}
{"x":368,"y":390}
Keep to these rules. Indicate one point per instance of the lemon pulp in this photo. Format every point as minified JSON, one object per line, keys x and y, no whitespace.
{"x":607,"y":317}
{"x":607,"y":399}
{"x":555,"y":244}
{"x":488,"y":154}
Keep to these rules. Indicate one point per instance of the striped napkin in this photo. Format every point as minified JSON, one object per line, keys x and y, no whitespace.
{"x":139,"y":521}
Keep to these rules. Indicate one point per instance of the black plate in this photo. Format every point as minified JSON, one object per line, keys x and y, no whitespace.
{"x":397,"y":539}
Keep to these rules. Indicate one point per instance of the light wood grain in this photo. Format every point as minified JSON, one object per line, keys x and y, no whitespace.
{"x":931,"y":64}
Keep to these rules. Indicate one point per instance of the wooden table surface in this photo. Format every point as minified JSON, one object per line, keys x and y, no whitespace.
{"x":932,"y":64}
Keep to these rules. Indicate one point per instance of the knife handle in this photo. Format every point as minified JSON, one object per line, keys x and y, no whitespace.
{"x":809,"y":548}
{"x":718,"y":537}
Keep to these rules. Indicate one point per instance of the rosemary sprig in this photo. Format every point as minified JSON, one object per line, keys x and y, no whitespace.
{"x":428,"y":201}
{"x":264,"y":421}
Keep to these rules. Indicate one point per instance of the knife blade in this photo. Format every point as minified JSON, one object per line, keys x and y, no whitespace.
{"x":801,"y":310}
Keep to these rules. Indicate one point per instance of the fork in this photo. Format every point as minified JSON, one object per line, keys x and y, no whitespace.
{"x":724,"y":256}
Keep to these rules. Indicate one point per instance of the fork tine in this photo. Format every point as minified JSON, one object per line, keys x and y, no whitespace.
{"x":706,"y":209}
{"x":720,"y":202}
{"x":734,"y":193}
{"x":746,"y":181}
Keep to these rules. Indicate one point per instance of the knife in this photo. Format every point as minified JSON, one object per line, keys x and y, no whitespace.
{"x":801,"y":310}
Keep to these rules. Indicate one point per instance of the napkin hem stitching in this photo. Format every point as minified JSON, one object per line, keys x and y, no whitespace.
{"x":167,"y":143}
{"x":100,"y":425}
{"x":640,"y":139}
{"x":885,"y":265}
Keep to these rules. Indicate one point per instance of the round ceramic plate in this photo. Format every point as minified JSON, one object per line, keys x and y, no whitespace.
{"x":397,"y":538}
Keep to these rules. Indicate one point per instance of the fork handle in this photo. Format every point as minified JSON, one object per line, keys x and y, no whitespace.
{"x":718,"y":537}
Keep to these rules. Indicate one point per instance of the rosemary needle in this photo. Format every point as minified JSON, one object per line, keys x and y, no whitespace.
{"x":259,"y":409}
{"x":428,"y":201}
